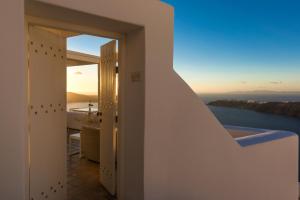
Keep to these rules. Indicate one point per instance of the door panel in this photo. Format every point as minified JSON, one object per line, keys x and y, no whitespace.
{"x":47,"y":97}
{"x":108,"y":109}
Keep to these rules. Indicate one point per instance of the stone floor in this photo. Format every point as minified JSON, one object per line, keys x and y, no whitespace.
{"x":83,"y":178}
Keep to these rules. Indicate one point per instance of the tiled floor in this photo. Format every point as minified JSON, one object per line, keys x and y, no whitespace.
{"x":83,"y":179}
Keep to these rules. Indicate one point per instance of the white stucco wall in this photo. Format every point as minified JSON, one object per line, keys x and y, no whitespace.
{"x":13,"y":101}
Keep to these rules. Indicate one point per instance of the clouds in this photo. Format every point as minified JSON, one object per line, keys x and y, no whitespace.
{"x":82,"y":79}
{"x":270,"y":82}
{"x":276,"y":82}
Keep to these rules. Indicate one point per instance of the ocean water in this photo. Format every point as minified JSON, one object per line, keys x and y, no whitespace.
{"x":248,"y":118}
{"x":81,"y":105}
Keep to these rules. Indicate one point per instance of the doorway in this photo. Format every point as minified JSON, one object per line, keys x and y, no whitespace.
{"x":47,"y":62}
{"x":131,"y":97}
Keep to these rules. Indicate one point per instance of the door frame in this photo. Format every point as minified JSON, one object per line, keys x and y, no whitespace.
{"x":55,"y":24}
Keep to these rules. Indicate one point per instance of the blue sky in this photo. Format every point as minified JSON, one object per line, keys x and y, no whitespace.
{"x":226,"y":45}
{"x":86,"y":44}
{"x":238,"y":45}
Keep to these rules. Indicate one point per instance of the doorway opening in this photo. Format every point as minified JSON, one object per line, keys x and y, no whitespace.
{"x":84,"y":117}
{"x":82,"y":137}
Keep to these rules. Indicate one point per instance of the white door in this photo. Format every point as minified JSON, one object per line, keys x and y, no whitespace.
{"x":108,"y":99}
{"x":47,"y":110}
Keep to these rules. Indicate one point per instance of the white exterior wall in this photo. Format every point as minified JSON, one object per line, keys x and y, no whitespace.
{"x":13,"y":101}
{"x":187,"y":153}
{"x":134,"y":125}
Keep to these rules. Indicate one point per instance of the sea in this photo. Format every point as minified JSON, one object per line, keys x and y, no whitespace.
{"x":81,"y":105}
{"x":248,"y":118}
{"x":241,"y":117}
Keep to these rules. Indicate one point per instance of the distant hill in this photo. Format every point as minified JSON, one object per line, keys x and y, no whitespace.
{"x":75,"y":97}
{"x":255,"y":92}
{"x":268,"y":92}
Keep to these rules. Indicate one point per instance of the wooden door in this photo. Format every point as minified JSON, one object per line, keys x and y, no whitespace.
{"x":47,"y":110}
{"x":108,"y":109}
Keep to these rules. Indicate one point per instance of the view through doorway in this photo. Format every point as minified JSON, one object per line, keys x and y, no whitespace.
{"x":83,"y":103}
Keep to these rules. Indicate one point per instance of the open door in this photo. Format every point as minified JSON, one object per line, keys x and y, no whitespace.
{"x":47,"y":110}
{"x":108,"y":108}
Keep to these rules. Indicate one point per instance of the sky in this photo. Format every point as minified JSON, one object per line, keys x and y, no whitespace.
{"x":84,"y":79}
{"x":232,"y":45}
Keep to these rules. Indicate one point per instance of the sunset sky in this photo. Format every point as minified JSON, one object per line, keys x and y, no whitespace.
{"x":223,"y":46}
{"x":84,"y":79}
